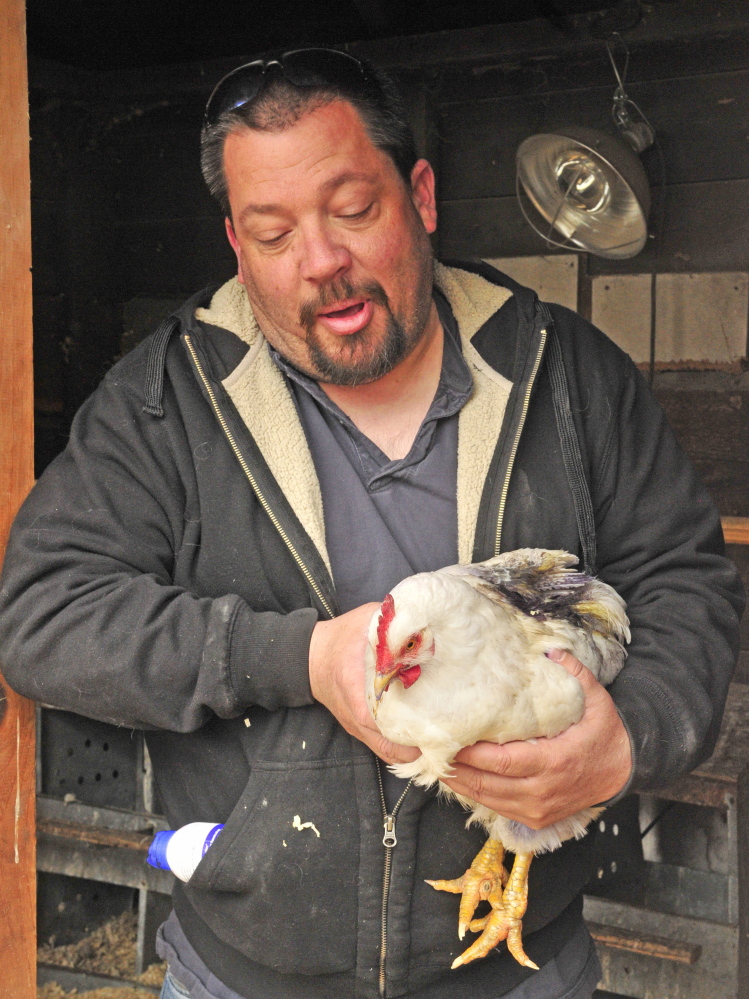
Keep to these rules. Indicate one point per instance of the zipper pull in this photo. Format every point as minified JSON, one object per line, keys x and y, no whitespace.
{"x":389,"y":839}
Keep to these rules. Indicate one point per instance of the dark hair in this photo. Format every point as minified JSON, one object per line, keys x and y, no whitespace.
{"x":281,"y":103}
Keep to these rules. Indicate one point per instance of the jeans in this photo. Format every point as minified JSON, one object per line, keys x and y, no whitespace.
{"x":572,"y":974}
{"x":172,"y":989}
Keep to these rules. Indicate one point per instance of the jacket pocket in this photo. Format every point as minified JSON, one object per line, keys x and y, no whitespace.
{"x":280,"y":883}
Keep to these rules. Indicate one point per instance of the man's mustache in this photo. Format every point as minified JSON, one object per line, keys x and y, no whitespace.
{"x":340,"y":291}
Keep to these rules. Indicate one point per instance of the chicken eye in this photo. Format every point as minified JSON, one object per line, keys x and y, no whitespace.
{"x":410,"y":644}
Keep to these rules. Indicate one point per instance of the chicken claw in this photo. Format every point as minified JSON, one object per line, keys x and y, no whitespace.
{"x":487,"y":880}
{"x":483,"y":881}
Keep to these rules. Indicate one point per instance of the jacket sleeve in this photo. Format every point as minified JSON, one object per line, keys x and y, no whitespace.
{"x":90,"y":619}
{"x":660,"y":545}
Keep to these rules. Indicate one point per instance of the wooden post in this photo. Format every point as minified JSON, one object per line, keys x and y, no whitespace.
{"x":742,"y":823}
{"x":17,"y":729}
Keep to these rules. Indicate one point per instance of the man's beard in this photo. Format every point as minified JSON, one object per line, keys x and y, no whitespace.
{"x":374,"y":360}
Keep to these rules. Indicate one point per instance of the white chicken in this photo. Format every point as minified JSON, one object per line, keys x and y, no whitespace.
{"x":467,"y":645}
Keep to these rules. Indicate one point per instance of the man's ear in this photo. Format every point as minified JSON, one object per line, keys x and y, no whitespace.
{"x":232,"y":237}
{"x":423,"y":194}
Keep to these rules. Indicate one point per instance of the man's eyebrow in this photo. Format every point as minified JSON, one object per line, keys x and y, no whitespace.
{"x":350,"y":176}
{"x":259,"y":210}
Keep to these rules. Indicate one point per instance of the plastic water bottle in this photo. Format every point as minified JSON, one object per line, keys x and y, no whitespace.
{"x":181,"y":850}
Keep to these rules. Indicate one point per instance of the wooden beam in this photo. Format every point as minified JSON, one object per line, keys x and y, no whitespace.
{"x":694,"y":28}
{"x":735,"y":530}
{"x":124,"y":839}
{"x":641,"y":943}
{"x":17,"y":753}
{"x":742,"y":821}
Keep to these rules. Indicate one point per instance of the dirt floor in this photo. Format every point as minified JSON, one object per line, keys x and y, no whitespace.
{"x":110,"y":950}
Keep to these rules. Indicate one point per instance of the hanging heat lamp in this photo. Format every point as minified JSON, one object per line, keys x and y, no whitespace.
{"x":590,"y":187}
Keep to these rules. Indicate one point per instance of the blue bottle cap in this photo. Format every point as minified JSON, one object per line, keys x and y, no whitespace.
{"x":157,"y":851}
{"x":210,"y":838}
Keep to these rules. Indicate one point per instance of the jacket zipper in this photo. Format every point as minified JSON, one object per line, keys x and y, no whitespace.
{"x":253,"y":481}
{"x":516,"y":444}
{"x":389,"y":841}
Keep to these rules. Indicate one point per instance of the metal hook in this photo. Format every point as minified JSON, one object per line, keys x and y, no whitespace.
{"x":626,"y":115}
{"x":620,"y":77}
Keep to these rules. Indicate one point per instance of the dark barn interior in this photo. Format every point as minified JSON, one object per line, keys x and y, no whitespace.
{"x":123,"y":229}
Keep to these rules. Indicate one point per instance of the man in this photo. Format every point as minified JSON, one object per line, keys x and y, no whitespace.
{"x":204,"y":558}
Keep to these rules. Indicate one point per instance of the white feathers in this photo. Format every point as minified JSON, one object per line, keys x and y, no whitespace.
{"x":481,"y":633}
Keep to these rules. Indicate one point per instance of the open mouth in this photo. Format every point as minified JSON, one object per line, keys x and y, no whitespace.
{"x":348,"y":318}
{"x":350,"y":310}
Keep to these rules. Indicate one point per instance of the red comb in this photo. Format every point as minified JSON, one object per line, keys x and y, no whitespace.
{"x":387,"y":613}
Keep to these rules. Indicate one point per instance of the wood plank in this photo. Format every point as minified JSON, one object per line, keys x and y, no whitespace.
{"x":687,"y":19}
{"x":706,"y":228}
{"x":742,"y":822}
{"x":699,"y":789}
{"x":493,"y":60}
{"x":699,"y":121}
{"x":526,"y":73}
{"x":111,"y":865}
{"x":121,"y":838}
{"x":640,"y":943}
{"x":735,"y":530}
{"x":17,"y":716}
{"x":711,"y":426}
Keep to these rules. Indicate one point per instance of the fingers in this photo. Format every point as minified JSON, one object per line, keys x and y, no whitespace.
{"x":391,"y":752}
{"x":574,"y":667}
{"x":512,"y":759}
{"x":539,"y":783}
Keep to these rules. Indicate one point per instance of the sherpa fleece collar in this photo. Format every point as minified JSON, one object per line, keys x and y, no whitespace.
{"x":259,"y":392}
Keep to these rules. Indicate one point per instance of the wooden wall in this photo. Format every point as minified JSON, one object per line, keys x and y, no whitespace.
{"x":699,"y":106}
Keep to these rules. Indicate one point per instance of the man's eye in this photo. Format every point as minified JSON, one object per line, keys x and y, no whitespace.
{"x":357,"y":215}
{"x":271,"y":240}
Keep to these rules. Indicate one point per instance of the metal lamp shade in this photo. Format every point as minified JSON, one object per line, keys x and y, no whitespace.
{"x":590,"y":187}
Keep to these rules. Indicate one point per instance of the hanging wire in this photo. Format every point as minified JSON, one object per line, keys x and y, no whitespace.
{"x":657,"y":819}
{"x":620,"y":77}
{"x":640,"y":134}
{"x":636,"y":128}
{"x":653,"y":303}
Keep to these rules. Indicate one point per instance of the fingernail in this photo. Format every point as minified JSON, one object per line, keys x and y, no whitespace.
{"x":556,"y":654}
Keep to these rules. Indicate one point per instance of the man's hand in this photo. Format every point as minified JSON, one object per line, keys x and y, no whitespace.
{"x":540,"y":783}
{"x":336,"y":673}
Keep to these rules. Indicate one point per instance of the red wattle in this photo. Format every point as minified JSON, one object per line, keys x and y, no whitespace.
{"x":410,"y":675}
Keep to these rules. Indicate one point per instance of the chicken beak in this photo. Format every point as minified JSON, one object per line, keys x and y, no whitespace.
{"x":383,"y":680}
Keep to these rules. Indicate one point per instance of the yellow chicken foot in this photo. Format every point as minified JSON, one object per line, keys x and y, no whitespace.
{"x":483,"y":881}
{"x":505,"y":921}
{"x":515,"y":903}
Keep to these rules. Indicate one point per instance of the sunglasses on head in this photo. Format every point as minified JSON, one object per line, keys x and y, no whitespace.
{"x":302,"y":67}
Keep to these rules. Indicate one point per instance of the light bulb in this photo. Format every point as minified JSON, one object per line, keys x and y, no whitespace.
{"x":582,"y":182}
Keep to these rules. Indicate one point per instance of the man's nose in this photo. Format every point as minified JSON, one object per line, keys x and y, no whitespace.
{"x":324,"y":255}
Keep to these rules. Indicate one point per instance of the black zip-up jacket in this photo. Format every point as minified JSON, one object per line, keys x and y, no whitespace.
{"x":159,"y":576}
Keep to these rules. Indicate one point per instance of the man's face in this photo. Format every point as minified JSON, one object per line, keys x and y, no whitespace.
{"x":332,"y":245}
